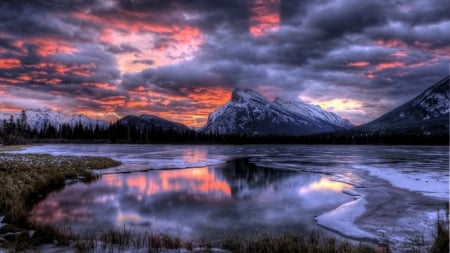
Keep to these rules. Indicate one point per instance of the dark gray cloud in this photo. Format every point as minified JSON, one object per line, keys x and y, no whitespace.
{"x":122,"y":48}
{"x":147,"y":62}
{"x":379,"y":54}
{"x":335,"y":19}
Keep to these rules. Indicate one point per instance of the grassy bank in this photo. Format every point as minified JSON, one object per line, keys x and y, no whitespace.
{"x":27,"y":178}
{"x":119,"y":240}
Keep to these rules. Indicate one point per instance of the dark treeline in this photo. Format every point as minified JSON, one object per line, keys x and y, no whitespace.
{"x":17,"y":131}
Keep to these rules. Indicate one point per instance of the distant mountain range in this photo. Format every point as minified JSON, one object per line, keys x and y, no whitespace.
{"x":38,"y":118}
{"x":251,"y":114}
{"x":426,"y":114}
{"x":151,"y":121}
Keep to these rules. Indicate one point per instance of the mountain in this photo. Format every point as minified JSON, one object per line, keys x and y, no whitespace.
{"x":38,"y":118}
{"x":426,"y":114}
{"x":151,"y":121}
{"x":250,"y":113}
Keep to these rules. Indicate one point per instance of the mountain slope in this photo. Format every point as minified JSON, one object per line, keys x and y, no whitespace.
{"x":151,"y":121}
{"x":426,"y":114}
{"x":38,"y":118}
{"x":250,"y":113}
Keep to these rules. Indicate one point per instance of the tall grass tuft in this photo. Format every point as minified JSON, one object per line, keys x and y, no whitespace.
{"x":309,"y":243}
{"x":441,"y":241}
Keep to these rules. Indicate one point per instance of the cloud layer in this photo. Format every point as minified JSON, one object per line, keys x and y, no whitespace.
{"x":181,"y":59}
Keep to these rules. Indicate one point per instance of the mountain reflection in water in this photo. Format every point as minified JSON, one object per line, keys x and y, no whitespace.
{"x":236,"y":196}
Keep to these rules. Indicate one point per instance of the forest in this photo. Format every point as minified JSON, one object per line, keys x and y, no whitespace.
{"x":14,"y":131}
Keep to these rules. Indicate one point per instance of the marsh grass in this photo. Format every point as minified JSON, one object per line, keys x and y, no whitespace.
{"x":112,"y":240}
{"x":28,"y":178}
{"x":311,"y":242}
{"x":441,"y":241}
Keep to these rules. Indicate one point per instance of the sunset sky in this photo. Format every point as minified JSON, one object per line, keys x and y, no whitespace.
{"x":181,"y":59}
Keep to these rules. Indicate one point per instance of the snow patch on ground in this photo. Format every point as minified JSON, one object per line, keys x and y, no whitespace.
{"x":342,"y":219}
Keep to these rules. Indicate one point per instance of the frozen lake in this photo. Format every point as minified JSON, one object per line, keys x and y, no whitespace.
{"x":361,"y":192}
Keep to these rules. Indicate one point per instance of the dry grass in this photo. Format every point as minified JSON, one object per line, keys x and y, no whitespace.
{"x":113,"y":240}
{"x":12,"y":147}
{"x":312,"y":242}
{"x":27,"y":178}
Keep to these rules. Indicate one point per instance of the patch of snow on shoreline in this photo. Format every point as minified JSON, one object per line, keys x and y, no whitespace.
{"x":342,"y":219}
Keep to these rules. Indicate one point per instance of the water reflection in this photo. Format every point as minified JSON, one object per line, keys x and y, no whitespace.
{"x":195,"y":181}
{"x":208,"y":201}
{"x":323,"y":185}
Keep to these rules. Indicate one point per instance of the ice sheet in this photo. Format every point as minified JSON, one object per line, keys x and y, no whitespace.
{"x":342,"y":219}
{"x":429,"y":183}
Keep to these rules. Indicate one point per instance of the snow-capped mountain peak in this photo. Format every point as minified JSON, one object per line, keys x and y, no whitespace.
{"x":151,"y":121}
{"x":38,"y":118}
{"x":313,"y":112}
{"x":246,"y":95}
{"x":428,"y":113}
{"x":250,"y":113}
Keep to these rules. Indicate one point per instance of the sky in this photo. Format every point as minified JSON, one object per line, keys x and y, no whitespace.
{"x":181,"y":60}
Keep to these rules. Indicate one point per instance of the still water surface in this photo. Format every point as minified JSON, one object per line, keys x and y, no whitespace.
{"x":210,"y":201}
{"x":212,"y":191}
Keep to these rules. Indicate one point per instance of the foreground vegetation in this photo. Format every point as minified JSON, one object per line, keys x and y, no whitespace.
{"x":126,"y":240}
{"x":27,"y":178}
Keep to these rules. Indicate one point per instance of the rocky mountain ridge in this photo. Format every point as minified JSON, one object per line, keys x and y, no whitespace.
{"x":250,"y":113}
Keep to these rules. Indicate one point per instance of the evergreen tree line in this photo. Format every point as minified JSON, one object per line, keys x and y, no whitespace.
{"x":17,"y":131}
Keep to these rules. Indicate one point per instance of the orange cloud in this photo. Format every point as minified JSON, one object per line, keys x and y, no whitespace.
{"x":400,"y":54}
{"x":265,"y":17}
{"x":24,"y":77}
{"x":9,"y":80}
{"x":391,"y":43}
{"x":48,"y":46}
{"x":369,"y":75}
{"x":389,"y":65}
{"x":79,"y":70}
{"x":9,"y":63}
{"x":207,"y":100}
{"x":103,"y":86}
{"x":358,"y":64}
{"x":191,"y":109}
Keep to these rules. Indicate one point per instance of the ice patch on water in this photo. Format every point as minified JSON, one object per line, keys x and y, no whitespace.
{"x":143,"y":158}
{"x":429,"y":183}
{"x":342,"y":219}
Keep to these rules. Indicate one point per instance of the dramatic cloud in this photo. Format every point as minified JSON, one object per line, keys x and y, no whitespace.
{"x":182,"y":59}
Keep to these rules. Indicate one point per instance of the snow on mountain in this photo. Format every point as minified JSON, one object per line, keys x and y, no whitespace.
{"x":151,"y":121}
{"x":427,"y":113}
{"x":250,"y":113}
{"x":38,"y":118}
{"x":313,"y":112}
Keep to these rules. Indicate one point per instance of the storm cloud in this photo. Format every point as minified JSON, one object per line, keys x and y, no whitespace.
{"x":182,"y":59}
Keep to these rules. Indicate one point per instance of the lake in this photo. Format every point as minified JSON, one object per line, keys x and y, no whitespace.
{"x":359,"y":192}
